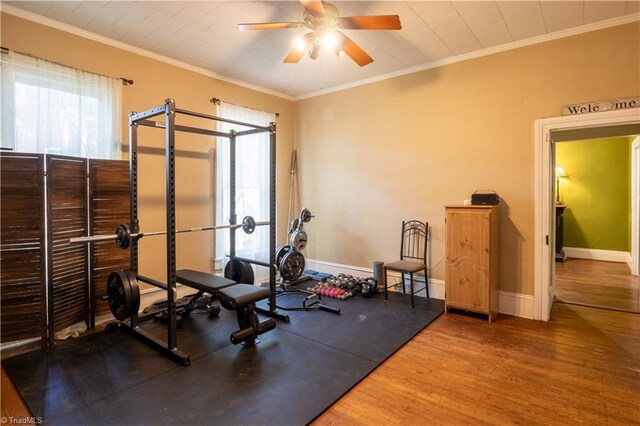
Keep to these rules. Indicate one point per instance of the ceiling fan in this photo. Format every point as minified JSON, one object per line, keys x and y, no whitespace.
{"x":325,"y":23}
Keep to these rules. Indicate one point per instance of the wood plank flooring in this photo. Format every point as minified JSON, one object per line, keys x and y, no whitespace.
{"x":583,"y":366}
{"x":597,"y":283}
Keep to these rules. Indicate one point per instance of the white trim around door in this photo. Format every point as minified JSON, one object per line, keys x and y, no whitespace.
{"x":544,"y":290}
{"x":635,"y":205}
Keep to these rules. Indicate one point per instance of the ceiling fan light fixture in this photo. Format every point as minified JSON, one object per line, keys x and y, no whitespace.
{"x":314,"y":52}
{"x":330,"y":41}
{"x":300,"y":44}
{"x":324,"y":22}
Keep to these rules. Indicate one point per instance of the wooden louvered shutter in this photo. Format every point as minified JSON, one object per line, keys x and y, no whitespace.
{"x":22,"y":247}
{"x":67,"y":218}
{"x":109,"y":207}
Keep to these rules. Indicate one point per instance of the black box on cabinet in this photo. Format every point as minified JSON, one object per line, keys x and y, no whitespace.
{"x":485,"y":198}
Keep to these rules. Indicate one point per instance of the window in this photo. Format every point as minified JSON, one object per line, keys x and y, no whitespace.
{"x":252,"y":183}
{"x":54,"y":109}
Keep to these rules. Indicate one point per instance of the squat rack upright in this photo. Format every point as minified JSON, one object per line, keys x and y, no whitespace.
{"x":169,"y":125}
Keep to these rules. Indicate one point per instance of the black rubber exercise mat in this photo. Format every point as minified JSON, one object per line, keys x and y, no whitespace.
{"x":369,"y":328}
{"x":295,"y":373}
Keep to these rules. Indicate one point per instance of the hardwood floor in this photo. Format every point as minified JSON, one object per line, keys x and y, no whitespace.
{"x":12,"y":404}
{"x":583,"y":366}
{"x":597,"y":283}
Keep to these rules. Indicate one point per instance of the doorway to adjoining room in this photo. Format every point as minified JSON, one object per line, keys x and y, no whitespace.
{"x":596,"y":222}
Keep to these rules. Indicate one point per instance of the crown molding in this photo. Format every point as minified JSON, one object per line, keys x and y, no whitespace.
{"x":480,"y":53}
{"x":43,"y":20}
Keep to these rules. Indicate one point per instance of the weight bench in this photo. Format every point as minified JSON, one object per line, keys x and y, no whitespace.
{"x":241,"y":298}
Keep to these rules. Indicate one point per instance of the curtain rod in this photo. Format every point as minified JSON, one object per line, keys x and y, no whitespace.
{"x":217,"y":101}
{"x":125,"y":81}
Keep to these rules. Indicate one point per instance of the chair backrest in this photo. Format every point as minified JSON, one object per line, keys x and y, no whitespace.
{"x":413,"y":243}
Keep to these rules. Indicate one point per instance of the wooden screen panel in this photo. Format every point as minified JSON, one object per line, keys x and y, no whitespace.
{"x":109,"y":207}
{"x":22,"y":255}
{"x":67,"y":217}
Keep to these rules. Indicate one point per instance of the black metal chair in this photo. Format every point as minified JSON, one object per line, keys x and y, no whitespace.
{"x":413,"y":257}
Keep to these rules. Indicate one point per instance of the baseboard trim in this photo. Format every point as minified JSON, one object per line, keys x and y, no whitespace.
{"x":436,"y":287}
{"x":517,"y":304}
{"x":597,"y":254}
{"x":337,"y":268}
{"x":152,"y":294}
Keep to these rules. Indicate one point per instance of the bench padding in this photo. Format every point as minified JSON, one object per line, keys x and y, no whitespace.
{"x":241,"y":295}
{"x":208,"y":283}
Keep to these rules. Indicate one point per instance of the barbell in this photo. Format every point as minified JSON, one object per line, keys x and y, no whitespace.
{"x":123,"y":235}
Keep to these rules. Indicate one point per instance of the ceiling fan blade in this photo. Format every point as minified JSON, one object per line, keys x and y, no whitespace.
{"x":378,"y":22}
{"x":294,"y":56}
{"x":270,"y":26}
{"x":313,"y":6}
{"x":352,"y":50}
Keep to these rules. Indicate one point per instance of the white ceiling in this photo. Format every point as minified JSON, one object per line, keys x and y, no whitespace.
{"x":204,"y":34}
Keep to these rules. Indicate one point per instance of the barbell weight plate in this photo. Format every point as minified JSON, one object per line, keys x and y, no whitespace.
{"x":135,"y":291}
{"x":119,"y":295}
{"x":239,"y":271}
{"x":246,"y":276}
{"x":281,"y":251}
{"x":298,"y":240}
{"x":229,"y":271}
{"x":248,"y":224}
{"x":305,"y":215}
{"x":295,"y":225}
{"x":292,"y":266}
{"x":123,"y":236}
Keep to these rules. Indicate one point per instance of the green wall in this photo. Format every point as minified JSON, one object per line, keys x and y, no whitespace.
{"x":597,"y":193}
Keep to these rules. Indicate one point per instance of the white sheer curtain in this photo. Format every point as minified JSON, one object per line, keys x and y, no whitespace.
{"x":55,"y":109}
{"x":252,"y":183}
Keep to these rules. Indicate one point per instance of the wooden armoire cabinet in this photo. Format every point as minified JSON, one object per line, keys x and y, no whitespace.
{"x":471,"y":259}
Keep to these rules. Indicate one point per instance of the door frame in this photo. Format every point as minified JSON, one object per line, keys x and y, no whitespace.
{"x":635,"y":204}
{"x":544,"y":290}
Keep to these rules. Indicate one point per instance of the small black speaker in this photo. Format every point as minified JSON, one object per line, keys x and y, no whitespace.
{"x":485,"y":198}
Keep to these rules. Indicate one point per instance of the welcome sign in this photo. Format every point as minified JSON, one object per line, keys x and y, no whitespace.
{"x":601,"y":106}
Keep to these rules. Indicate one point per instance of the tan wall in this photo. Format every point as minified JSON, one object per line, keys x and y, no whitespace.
{"x":154,"y":82}
{"x":403,"y":148}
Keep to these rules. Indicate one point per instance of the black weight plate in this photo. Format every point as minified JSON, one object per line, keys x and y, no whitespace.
{"x":135,"y":291}
{"x":280,"y":252}
{"x":292,"y":266}
{"x":124,"y":236}
{"x":119,"y":294}
{"x":247,"y":273}
{"x":242,"y":272}
{"x":248,"y":224}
